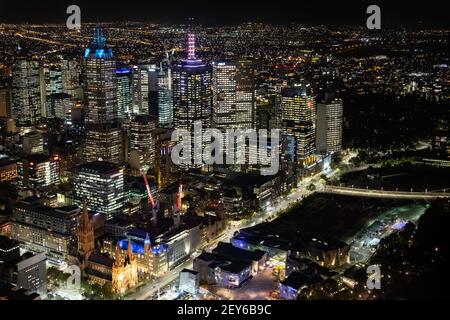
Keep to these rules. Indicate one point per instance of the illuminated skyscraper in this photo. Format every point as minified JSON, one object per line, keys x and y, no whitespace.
{"x":103,"y":136}
{"x":245,"y":93}
{"x":102,"y":183}
{"x":298,"y":114}
{"x":26,"y":109}
{"x":141,"y":140}
{"x":192,"y":97}
{"x":224,"y":95}
{"x":100,"y":81}
{"x":124,"y":92}
{"x":145,"y":89}
{"x":165,"y":102}
{"x":329,"y":126}
{"x":70,"y":68}
{"x":103,"y":142}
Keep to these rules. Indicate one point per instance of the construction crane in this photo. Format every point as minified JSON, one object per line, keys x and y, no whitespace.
{"x":150,"y":196}
{"x":180,"y":191}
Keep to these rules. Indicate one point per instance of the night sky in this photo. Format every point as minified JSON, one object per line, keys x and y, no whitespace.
{"x":394,"y":12}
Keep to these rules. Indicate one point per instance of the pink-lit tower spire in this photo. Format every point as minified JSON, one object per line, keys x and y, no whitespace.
{"x":191,"y":46}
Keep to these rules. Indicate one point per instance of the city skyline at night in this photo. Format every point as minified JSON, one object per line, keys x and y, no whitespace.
{"x":224,"y":152}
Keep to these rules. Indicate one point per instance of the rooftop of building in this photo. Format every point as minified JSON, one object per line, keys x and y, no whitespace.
{"x":7,"y":243}
{"x":231,"y":266}
{"x":35,"y":203}
{"x":37,"y":158}
{"x":9,"y":292}
{"x":232,"y":252}
{"x":328,"y":244}
{"x":297,"y":280}
{"x":189,"y":271}
{"x":5,"y":161}
{"x":224,"y":263}
{"x":296,"y":91}
{"x":206,"y":256}
{"x":356,"y":272}
{"x":101,"y":259}
{"x":262,"y":234}
{"x":98,"y":167}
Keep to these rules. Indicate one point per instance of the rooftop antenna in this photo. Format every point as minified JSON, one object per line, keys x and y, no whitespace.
{"x":191,"y":41}
{"x":99,"y":40}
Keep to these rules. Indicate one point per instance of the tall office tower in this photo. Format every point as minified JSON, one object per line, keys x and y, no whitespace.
{"x":5,"y":98}
{"x":26,"y":109}
{"x":245,"y":93}
{"x":100,"y":81}
{"x":141,"y":88}
{"x":298,"y":114}
{"x":224,"y":95}
{"x":102,"y":183}
{"x":70,"y":68}
{"x":124,"y":92}
{"x":142,"y":142}
{"x":224,"y":111}
{"x":38,"y":171}
{"x":103,"y":136}
{"x":192,"y":97}
{"x":153,"y":91}
{"x":267,"y":111}
{"x":103,"y":143}
{"x":329,"y":126}
{"x":165,"y":102}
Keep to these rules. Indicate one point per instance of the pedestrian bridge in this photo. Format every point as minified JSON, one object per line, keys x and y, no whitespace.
{"x":329,"y":189}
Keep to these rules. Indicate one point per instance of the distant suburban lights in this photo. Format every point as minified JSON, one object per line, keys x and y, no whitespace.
{"x":191,"y":46}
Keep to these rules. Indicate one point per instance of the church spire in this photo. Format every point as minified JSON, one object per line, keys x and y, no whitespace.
{"x":129,"y":249}
{"x":85,"y":215}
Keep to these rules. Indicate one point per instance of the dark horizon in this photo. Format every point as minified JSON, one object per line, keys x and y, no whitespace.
{"x":401,"y":13}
